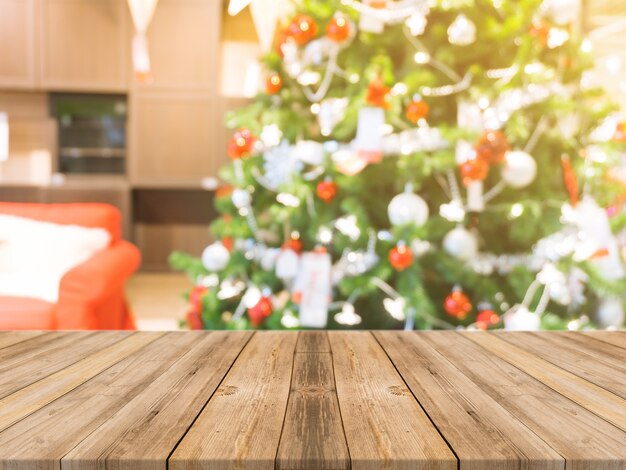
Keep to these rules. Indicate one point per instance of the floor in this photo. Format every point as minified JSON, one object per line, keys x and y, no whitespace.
{"x":156,"y":300}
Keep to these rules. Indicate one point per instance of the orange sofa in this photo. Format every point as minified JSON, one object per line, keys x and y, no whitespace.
{"x":91,"y":296}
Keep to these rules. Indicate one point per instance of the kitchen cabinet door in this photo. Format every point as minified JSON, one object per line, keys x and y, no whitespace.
{"x":17,"y":44}
{"x":84,"y":45}
{"x":173,"y":138}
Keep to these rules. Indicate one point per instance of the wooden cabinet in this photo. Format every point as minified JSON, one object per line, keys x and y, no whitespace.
{"x":173,"y":138}
{"x":17,"y":43}
{"x":84,"y":45}
{"x":184,"y":40}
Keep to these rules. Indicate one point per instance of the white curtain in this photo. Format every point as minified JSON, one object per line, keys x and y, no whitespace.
{"x":142,"y":12}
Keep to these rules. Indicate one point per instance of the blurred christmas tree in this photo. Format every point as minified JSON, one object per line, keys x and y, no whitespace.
{"x":424,"y":164}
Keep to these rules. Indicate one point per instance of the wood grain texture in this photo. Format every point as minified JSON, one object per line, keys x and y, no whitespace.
{"x":596,"y":362}
{"x":9,"y":338}
{"x":616,"y":338}
{"x":594,"y":398}
{"x":582,"y":438}
{"x":171,"y":402}
{"x":40,"y":440}
{"x":482,"y":433}
{"x":312,"y":436}
{"x":241,"y":425}
{"x":384,"y":425}
{"x":29,"y":399}
{"x":35,"y":363}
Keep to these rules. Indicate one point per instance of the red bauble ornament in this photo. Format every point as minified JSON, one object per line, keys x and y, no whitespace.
{"x":194,"y":315}
{"x":457,"y":304}
{"x":260,"y":311}
{"x":327,"y":190}
{"x":338,"y":29}
{"x":228,"y":243}
{"x":377,"y":94}
{"x":541,"y":31}
{"x":570,"y":179}
{"x":492,"y":146}
{"x":400,"y":257}
{"x":194,"y":321}
{"x":487,"y":318}
{"x":224,"y":190}
{"x":475,"y":169}
{"x":241,"y":144}
{"x":620,"y":133}
{"x":294,"y":244}
{"x":273,"y":84}
{"x":417,"y":110}
{"x":302,"y":29}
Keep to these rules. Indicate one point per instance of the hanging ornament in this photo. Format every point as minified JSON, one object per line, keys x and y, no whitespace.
{"x":312,"y":288}
{"x":369,"y":140}
{"x":474,"y":169}
{"x":302,"y":29}
{"x":519,"y":318}
{"x":348,"y":315}
{"x":620,"y":133}
{"x":416,"y":23}
{"x":228,"y":243}
{"x":519,"y":170}
{"x":541,"y":31}
{"x":486,"y":317}
{"x":338,"y":29}
{"x":377,"y":93}
{"x":260,"y":311}
{"x":492,"y":146}
{"x":327,"y":190}
{"x":461,"y":243}
{"x":287,"y":264}
{"x":215,"y":257}
{"x":241,"y":144}
{"x":241,"y":198}
{"x":417,"y":110}
{"x":570,"y":179}
{"x":610,"y":313}
{"x":400,"y":257}
{"x":331,"y":112}
{"x":369,"y":22}
{"x":194,"y":315}
{"x":407,"y":208}
{"x":462,"y":31}
{"x":273,"y":84}
{"x":294,"y":243}
{"x":457,"y":304}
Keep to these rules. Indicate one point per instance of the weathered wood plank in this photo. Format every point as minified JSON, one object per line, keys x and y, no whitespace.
{"x":147,"y":428}
{"x":596,"y":362}
{"x":241,"y":425}
{"x":40,"y":440}
{"x":312,"y":436}
{"x":385,"y":426}
{"x":9,"y":338}
{"x":582,"y":438}
{"x":483,"y":435}
{"x":36,"y":363}
{"x":594,"y":398}
{"x":616,"y":338}
{"x":33,"y":345}
{"x":313,"y":341}
{"x":35,"y":396}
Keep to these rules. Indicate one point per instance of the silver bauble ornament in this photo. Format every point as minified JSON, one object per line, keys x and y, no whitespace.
{"x":215,"y":257}
{"x":610,"y":313}
{"x":461,"y":243}
{"x":408,"y":208}
{"x":462,"y":31}
{"x":519,"y":169}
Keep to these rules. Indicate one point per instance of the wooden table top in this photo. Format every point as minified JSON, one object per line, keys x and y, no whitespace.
{"x":312,"y":400}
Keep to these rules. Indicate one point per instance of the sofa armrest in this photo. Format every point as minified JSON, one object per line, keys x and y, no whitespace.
{"x":87,"y":286}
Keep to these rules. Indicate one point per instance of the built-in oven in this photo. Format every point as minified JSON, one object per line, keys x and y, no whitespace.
{"x":92,"y":132}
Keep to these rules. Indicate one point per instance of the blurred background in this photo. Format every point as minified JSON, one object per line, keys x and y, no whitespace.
{"x":80,"y":122}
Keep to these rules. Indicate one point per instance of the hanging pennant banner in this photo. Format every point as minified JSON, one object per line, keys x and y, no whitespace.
{"x":312,"y":288}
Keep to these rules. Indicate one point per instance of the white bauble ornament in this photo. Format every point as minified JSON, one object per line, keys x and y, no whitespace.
{"x":461,"y":243}
{"x":519,"y":170}
{"x":462,"y":31}
{"x":241,"y":198}
{"x":215,"y":257}
{"x":408,"y":208}
{"x":610,"y":313}
{"x":519,"y":318}
{"x":416,"y":23}
{"x":287,"y":264}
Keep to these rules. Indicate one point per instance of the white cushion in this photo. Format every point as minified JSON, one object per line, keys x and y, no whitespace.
{"x":34,"y":255}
